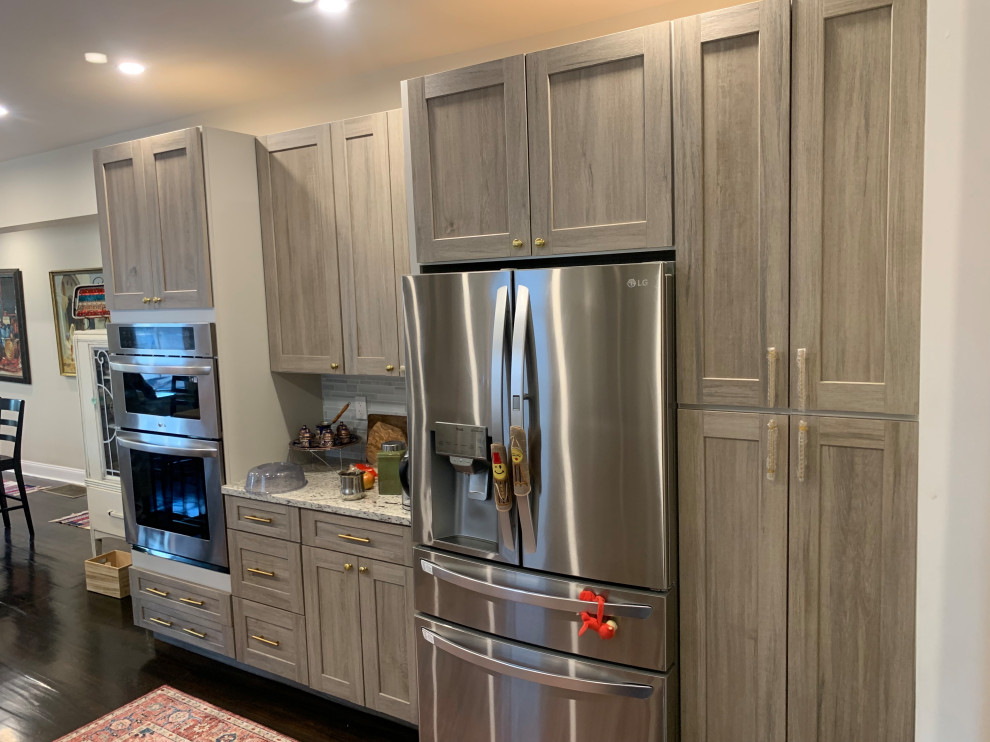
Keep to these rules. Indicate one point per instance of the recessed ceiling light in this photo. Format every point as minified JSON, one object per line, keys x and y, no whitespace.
{"x":131,"y":68}
{"x":302,"y":1}
{"x":333,"y":6}
{"x":96,"y":57}
{"x":3,"y":112}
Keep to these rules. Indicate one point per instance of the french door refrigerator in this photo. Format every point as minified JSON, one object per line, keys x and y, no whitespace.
{"x":542,"y":466}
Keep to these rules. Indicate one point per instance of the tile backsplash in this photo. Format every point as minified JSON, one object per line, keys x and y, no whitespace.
{"x":383,"y":395}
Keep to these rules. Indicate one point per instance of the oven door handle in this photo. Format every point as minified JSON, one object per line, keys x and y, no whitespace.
{"x":541,"y":677}
{"x":515,"y":595}
{"x":173,"y":449}
{"x":143,"y":368}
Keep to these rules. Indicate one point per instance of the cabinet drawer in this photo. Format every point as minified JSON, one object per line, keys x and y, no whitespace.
{"x":266,"y":570}
{"x":367,"y":538}
{"x":263,"y":518}
{"x":106,"y":510}
{"x":178,"y":624}
{"x":205,"y":602}
{"x":271,"y":639}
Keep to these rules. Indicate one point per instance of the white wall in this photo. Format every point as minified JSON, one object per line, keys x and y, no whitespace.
{"x":954,"y":509}
{"x":52,"y":426}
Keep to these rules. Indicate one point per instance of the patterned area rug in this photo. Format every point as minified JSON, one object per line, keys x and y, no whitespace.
{"x":166,"y":715}
{"x":11,"y":488}
{"x":79,"y":520}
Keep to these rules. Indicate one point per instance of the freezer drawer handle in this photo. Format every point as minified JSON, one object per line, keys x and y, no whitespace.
{"x":568,"y":605}
{"x":565,"y":682}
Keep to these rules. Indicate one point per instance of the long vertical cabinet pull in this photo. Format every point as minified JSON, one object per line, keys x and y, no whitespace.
{"x":802,"y":364}
{"x":802,"y":450}
{"x":771,"y":377}
{"x":772,"y":433}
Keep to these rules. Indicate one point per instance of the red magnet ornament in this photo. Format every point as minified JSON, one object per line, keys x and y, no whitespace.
{"x":606,"y":628}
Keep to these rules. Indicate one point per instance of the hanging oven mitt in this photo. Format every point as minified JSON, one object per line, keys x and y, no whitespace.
{"x":521,"y":486}
{"x":503,"y":493}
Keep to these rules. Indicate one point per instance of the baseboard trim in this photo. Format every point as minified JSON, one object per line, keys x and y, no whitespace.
{"x":54,"y":472}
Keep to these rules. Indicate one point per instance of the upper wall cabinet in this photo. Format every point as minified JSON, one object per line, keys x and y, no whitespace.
{"x":470,"y":173}
{"x":151,"y":196}
{"x":371,"y":238}
{"x":334,"y":240}
{"x":299,"y":242}
{"x":731,"y":151}
{"x":600,"y":143}
{"x":857,"y":168}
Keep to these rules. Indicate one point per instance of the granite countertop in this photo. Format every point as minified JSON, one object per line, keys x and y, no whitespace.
{"x":322,"y":492}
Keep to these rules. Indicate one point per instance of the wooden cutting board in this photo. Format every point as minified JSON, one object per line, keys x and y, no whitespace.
{"x":397,"y":421}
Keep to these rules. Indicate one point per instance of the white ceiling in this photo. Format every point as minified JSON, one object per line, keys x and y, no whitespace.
{"x":207,"y":54}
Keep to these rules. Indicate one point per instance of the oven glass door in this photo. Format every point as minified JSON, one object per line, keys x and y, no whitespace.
{"x":166,"y":395}
{"x":173,"y":503}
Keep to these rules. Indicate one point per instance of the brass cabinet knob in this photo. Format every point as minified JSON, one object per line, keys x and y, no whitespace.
{"x":146,"y":300}
{"x":334,"y":366}
{"x":362,"y":570}
{"x":517,"y":243}
{"x":390,"y":367}
{"x":157,"y":300}
{"x":539,"y":242}
{"x":348,"y":566}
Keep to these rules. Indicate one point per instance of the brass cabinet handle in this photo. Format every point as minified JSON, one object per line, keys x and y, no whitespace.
{"x":263,"y":639}
{"x":260,"y":572}
{"x":539,"y":242}
{"x":802,"y":364}
{"x":348,"y":566}
{"x":362,"y":570}
{"x":802,"y":449}
{"x":147,"y":300}
{"x":195,"y":633}
{"x":334,"y":366}
{"x":153,"y":591}
{"x":190,"y":601}
{"x":257,"y":518}
{"x":349,"y":537}
{"x":772,"y":450}
{"x":160,"y":621}
{"x":390,"y":367}
{"x":517,"y":243}
{"x":771,"y":377}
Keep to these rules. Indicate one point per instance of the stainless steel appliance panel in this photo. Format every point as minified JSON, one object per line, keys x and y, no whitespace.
{"x":172,"y":498}
{"x":164,"y":394}
{"x":456,"y":369}
{"x":544,"y":610}
{"x":595,"y":353}
{"x":192,"y":339}
{"x":485,"y":689}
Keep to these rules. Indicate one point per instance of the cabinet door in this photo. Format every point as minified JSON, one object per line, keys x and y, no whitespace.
{"x":299,"y":242}
{"x":731,"y":70}
{"x":599,"y":141}
{"x":176,"y":208}
{"x":120,"y":199}
{"x":858,"y":130}
{"x":470,"y":171}
{"x":333,"y":623}
{"x":851,"y":616}
{"x":366,"y":242}
{"x":733,"y":565}
{"x":388,"y":639}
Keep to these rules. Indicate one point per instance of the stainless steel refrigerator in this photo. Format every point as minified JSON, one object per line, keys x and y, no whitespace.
{"x":570,"y":369}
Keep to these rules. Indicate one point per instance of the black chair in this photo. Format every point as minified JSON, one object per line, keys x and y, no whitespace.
{"x":11,"y":429}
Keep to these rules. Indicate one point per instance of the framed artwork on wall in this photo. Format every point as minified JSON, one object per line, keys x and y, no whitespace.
{"x":15,"y":365}
{"x":79,"y":303}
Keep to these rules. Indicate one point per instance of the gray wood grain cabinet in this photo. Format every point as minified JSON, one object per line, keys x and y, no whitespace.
{"x":857,"y":164}
{"x":334,"y":241}
{"x":152,"y":203}
{"x":852,"y":576}
{"x":733,"y":490}
{"x":731,"y":148}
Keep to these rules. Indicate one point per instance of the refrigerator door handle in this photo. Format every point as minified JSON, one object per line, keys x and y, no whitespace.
{"x":515,"y":595}
{"x":503,"y":488}
{"x":541,"y":677}
{"x":517,"y":398}
{"x":519,"y":331}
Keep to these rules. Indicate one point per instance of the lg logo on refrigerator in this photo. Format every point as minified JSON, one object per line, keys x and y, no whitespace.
{"x":633,"y":283}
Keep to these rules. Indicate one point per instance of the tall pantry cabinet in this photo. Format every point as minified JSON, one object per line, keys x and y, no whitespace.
{"x":798,"y":299}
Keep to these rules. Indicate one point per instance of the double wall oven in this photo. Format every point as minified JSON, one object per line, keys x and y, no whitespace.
{"x":170,"y":439}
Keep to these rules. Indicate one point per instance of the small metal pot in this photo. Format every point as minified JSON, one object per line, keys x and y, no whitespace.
{"x":352,"y":485}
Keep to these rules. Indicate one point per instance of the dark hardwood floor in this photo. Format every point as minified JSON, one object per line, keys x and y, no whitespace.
{"x":68,"y":656}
